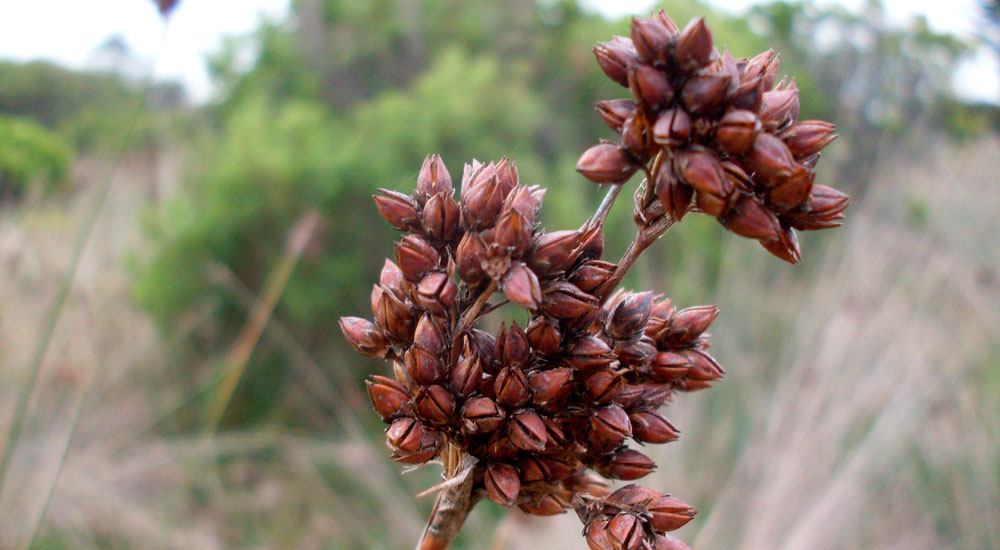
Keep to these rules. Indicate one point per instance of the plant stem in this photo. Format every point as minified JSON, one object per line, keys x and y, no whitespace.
{"x":643,"y":239}
{"x":609,"y":199}
{"x":452,"y":506}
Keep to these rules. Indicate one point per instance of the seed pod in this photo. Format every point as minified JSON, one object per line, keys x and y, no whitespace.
{"x":415,"y":257}
{"x":391,"y":279}
{"x":808,"y":137}
{"x":606,"y":163}
{"x":481,"y":415}
{"x":482,"y":198}
{"x":500,"y":446}
{"x":770,"y":158}
{"x":550,"y":385}
{"x":703,"y":366}
{"x":650,"y":87}
{"x":483,"y":344}
{"x":667,"y":23}
{"x":591,"y":242}
{"x":737,"y":130}
{"x":786,"y":246}
{"x":687,"y":324}
{"x":583,"y":481}
{"x":511,"y":387}
{"x":544,"y":504}
{"x":435,"y":404}
{"x":430,"y":335}
{"x":432,"y":179}
{"x":464,"y":379}
{"x":521,"y":286}
{"x":422,"y":366}
{"x":667,"y":366}
{"x":502,"y":483}
{"x":700,"y":168}
{"x":507,"y":176}
{"x":629,"y":315}
{"x":750,"y":218}
{"x":587,"y":354}
{"x":636,"y":352}
{"x":652,"y":427}
{"x":390,"y":398}
{"x":666,"y":542}
{"x":615,"y":57}
{"x":436,"y":292}
{"x":564,"y":300}
{"x":526,"y":431}
{"x":780,"y":108}
{"x":615,"y":112}
{"x":609,"y":425}
{"x":554,"y":252}
{"x":625,"y":531}
{"x":824,"y":209}
{"x":440,"y":217}
{"x":652,"y":40}
{"x":629,"y":496}
{"x":627,"y":464}
{"x":596,"y":534}
{"x":398,"y":209}
{"x":591,"y":274}
{"x":410,"y":443}
{"x":765,"y":66}
{"x":533,"y":469}
{"x":694,"y":46}
{"x":555,"y":438}
{"x":667,"y":513}
{"x":653,"y":395}
{"x":672,"y":128}
{"x":364,"y":336}
{"x":705,"y":91}
{"x":637,"y":138}
{"x":526,"y":201}
{"x":394,"y":317}
{"x":789,"y":195}
{"x":469,"y":258}
{"x":603,"y":386}
{"x":544,"y":335}
{"x":512,"y":346}
{"x":749,"y":95}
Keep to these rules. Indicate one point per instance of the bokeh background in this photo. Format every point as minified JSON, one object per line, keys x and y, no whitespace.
{"x":175,"y":251}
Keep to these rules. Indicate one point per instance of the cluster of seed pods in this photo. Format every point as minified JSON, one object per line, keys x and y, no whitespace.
{"x":541,"y":407}
{"x":714,"y":134}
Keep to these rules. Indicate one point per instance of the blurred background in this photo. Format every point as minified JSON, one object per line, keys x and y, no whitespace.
{"x":185,"y":211}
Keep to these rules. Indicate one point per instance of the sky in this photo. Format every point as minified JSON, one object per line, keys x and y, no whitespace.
{"x":68,"y":32}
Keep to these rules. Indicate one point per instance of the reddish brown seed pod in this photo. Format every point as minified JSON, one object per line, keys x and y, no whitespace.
{"x":780,"y":108}
{"x":653,"y":427}
{"x":615,"y":57}
{"x":705,"y":91}
{"x":770,"y":158}
{"x":666,"y":542}
{"x":507,"y":176}
{"x":394,"y":316}
{"x":687,"y":324}
{"x":790,"y":195}
{"x":596,"y":534}
{"x":422,"y":366}
{"x":627,"y":464}
{"x":808,"y":137}
{"x":672,"y":128}
{"x":544,"y":335}
{"x":410,"y":443}
{"x":440,"y":217}
{"x":750,"y":218}
{"x":652,"y":40}
{"x":512,"y":346}
{"x":674,"y":194}
{"x":609,"y":425}
{"x":389,"y":397}
{"x":511,"y":387}
{"x":482,"y":198}
{"x":650,"y":87}
{"x":629,"y":316}
{"x":436,"y":292}
{"x":587,"y":354}
{"x":615,"y":112}
{"x":554,"y":252}
{"x":432,"y":179}
{"x":606,"y":163}
{"x":364,"y":336}
{"x":513,"y":234}
{"x":564,"y":300}
{"x":625,"y":531}
{"x":544,"y":504}
{"x":398,"y":209}
{"x":521,"y":286}
{"x":667,"y":513}
{"x":603,"y":386}
{"x":465,"y":377}
{"x":502,"y":483}
{"x":527,"y":431}
{"x":694,"y":45}
{"x":415,"y":257}
{"x":435,"y":404}
{"x":430,"y":335}
{"x":470,"y":256}
{"x":481,"y":415}
{"x":786,"y":246}
{"x":667,"y":366}
{"x":391,"y":279}
{"x":737,"y":130}
{"x":629,"y":496}
{"x":550,"y":385}
{"x":591,"y":274}
{"x":700,"y":168}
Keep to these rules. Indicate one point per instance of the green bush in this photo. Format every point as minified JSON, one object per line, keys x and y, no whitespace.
{"x":30,"y":156}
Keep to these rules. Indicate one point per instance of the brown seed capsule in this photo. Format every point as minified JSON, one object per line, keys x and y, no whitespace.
{"x":583,"y":481}
{"x":481,"y":415}
{"x":564,"y":300}
{"x":627,"y":464}
{"x":652,"y":427}
{"x":521,"y":286}
{"x":591,"y":274}
{"x":630,"y":495}
{"x":609,"y":425}
{"x":650,"y":87}
{"x":555,"y":437}
{"x":629,"y":316}
{"x":636,"y":137}
{"x":391,"y":279}
{"x":533,"y":469}
{"x":469,"y":258}
{"x":554,"y":252}
{"x":432,"y":179}
{"x":482,"y":198}
{"x":635,"y":352}
{"x":737,"y":130}
{"x":666,"y":542}
{"x":526,"y":201}
{"x":422,"y":366}
{"x":410,"y":443}
{"x":464,"y":379}
{"x":440,"y":217}
{"x":750,"y":218}
{"x":364,"y":336}
{"x":596,"y":534}
{"x":394,"y":317}
{"x":550,"y":385}
{"x":672,"y":128}
{"x":502,"y":483}
{"x":667,"y":513}
{"x":808,"y":137}
{"x":694,"y":46}
{"x":398,"y":209}
{"x":431,"y":335}
{"x":672,"y":192}
{"x":513,"y":234}
{"x":687,"y":325}
{"x":700,"y":168}
{"x":703,"y":366}
{"x":511,"y":387}
{"x":652,"y":40}
{"x":603,"y":385}
{"x":512,"y":346}
{"x":500,"y":447}
{"x":436,"y":292}
{"x":483,"y":344}
{"x":389,"y":397}
{"x":615,"y":112}
{"x":415,"y":257}
{"x":625,"y":531}
{"x":507,"y":176}
{"x":790,"y":194}
{"x":668,"y":23}
{"x":668,"y":366}
{"x":615,"y":57}
{"x":749,"y":95}
{"x":770,"y":158}
{"x":435,"y":404}
{"x":544,"y":504}
{"x":527,"y":431}
{"x":825,"y":209}
{"x":587,"y":354}
{"x":544,"y":335}
{"x":764,"y":65}
{"x":780,"y":108}
{"x":705,"y":91}
{"x":606,"y":163}
{"x":591,"y":242}
{"x":786,"y":246}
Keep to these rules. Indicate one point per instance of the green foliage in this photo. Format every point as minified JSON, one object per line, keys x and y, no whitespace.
{"x":30,"y":155}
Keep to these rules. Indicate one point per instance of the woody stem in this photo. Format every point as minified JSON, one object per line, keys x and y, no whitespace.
{"x":452,"y":506}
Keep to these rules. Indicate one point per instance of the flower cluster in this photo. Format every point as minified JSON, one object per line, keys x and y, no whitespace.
{"x":537,"y":406}
{"x":719,"y":133}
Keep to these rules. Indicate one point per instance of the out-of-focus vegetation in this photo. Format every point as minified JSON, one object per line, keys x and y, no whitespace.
{"x":345,"y":97}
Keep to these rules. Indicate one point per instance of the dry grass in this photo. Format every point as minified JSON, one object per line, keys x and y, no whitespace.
{"x":859,"y":410}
